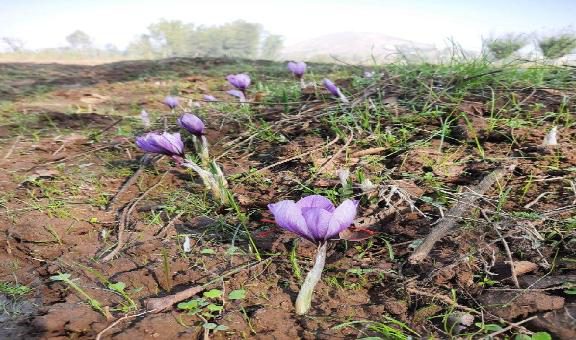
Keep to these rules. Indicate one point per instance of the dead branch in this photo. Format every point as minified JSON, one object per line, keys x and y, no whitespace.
{"x":156,"y":305}
{"x":124,"y":219}
{"x":144,"y":162}
{"x":451,"y":218}
{"x":112,"y":325}
{"x":370,"y":151}
{"x":447,"y":300}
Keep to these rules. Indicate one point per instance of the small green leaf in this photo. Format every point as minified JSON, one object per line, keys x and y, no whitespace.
{"x":221,"y":328}
{"x":237,"y":294}
{"x":210,"y":325}
{"x":214,"y":308}
{"x":192,"y":304}
{"x":207,"y":251}
{"x":492,"y":327}
{"x":118,"y":286}
{"x":522,"y":337}
{"x":213,"y":294}
{"x":61,"y":277}
{"x":541,"y":336}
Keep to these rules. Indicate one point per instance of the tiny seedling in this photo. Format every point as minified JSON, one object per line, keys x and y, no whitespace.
{"x":14,"y":289}
{"x":95,"y":304}
{"x":207,"y":309}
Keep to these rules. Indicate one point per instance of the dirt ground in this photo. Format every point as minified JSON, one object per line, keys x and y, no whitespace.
{"x":67,"y":147}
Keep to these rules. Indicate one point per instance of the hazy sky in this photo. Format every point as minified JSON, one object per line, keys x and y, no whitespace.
{"x":45,"y":23}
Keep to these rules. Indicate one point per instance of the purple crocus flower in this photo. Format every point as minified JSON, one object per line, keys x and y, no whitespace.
{"x":314,"y":217}
{"x":237,"y":94}
{"x":297,"y":68}
{"x":171,"y":102}
{"x":240,"y":81}
{"x":192,"y":123}
{"x":166,"y":143}
{"x":334,"y":90}
{"x":209,"y":98}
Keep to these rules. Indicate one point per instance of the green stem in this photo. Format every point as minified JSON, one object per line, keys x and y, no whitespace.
{"x":304,"y":299}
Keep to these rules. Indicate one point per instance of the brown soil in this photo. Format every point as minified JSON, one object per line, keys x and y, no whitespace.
{"x":61,"y":163}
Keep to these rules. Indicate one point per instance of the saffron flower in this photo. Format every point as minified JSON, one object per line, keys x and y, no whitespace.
{"x":297,"y":68}
{"x":240,"y":81}
{"x":334,"y":90}
{"x":192,"y":124}
{"x":209,"y":98}
{"x":171,"y":102}
{"x":316,"y":219}
{"x":238,"y":94}
{"x":169,"y":144}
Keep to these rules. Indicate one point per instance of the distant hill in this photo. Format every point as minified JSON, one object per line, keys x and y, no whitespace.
{"x":357,"y":47}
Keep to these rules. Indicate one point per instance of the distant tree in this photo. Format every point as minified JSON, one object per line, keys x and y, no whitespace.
{"x":171,"y":38}
{"x":557,"y":46}
{"x":79,"y":40}
{"x":506,"y":45}
{"x":142,"y":47}
{"x":240,"y":39}
{"x":272,"y":46}
{"x":16,"y":45}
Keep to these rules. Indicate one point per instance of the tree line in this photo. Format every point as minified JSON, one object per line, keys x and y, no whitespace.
{"x":173,"y":38}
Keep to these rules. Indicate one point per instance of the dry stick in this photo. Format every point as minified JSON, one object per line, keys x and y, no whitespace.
{"x":165,"y":230}
{"x":146,"y":160}
{"x":125,"y":317}
{"x":529,"y":205}
{"x":455,"y":213}
{"x":297,"y":156}
{"x":156,"y":305}
{"x":506,"y":247}
{"x":331,"y":159}
{"x":442,"y":298}
{"x":124,"y":219}
{"x":367,"y":152}
{"x":512,"y":325}
{"x":9,"y":153}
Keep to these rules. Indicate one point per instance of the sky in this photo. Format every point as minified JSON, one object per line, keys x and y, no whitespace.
{"x":46,"y":23}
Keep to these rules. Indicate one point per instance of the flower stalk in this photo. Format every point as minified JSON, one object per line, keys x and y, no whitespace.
{"x":304,"y":299}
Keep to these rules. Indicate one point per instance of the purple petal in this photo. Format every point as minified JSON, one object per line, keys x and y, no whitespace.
{"x":240,"y":81}
{"x":316,"y":201}
{"x":148,"y":144}
{"x":166,"y":143}
{"x":192,"y":123}
{"x":289,"y":216}
{"x":209,"y":98}
{"x":238,"y":94}
{"x":317,"y":221}
{"x":297,"y":68}
{"x":171,"y":102}
{"x":342,"y":218}
{"x":331,"y":87}
{"x":172,"y":142}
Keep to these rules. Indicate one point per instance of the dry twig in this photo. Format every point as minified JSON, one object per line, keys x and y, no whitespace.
{"x":112,"y":325}
{"x":145,"y":161}
{"x":451,"y":218}
{"x":156,"y":305}
{"x":124,"y":219}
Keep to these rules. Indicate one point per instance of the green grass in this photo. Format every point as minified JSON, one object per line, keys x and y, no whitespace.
{"x":14,"y":289}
